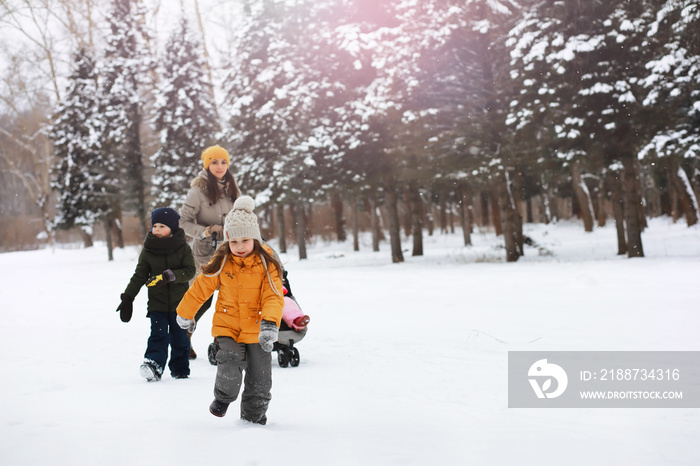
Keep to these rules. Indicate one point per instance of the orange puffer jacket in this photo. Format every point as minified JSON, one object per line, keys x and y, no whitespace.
{"x":245,"y":298}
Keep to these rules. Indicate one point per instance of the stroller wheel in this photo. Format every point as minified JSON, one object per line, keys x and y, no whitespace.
{"x":282,"y":357}
{"x":294,"y":357}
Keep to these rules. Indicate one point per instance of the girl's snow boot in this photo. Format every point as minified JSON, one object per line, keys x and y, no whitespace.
{"x":218,"y":408}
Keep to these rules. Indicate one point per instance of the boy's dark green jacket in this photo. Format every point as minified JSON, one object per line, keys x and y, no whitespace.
{"x":158,"y":255}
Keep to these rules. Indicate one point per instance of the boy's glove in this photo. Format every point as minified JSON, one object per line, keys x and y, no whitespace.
{"x":186,"y":324}
{"x":161,"y":279}
{"x":268,"y":335}
{"x":126,"y":308}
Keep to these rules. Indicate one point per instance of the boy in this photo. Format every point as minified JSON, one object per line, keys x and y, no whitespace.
{"x":165,"y":266}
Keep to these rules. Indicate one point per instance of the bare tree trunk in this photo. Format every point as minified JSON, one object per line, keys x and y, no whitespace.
{"x":465,"y":208}
{"x":407,"y":217}
{"x":484,"y":201}
{"x":355,"y":224}
{"x":416,"y":207}
{"x":86,"y":236}
{"x":683,"y":190}
{"x":337,"y":207}
{"x":300,"y":222}
{"x":108,"y":237}
{"x":516,"y":196}
{"x":641,"y":202}
{"x":374,"y":221}
{"x":430,"y":218}
{"x":602,"y":196}
{"x":652,"y":195}
{"x":393,"y":218}
{"x":675,"y":203}
{"x":630,"y":206}
{"x":494,"y":196}
{"x":529,"y":202}
{"x":442,"y":209}
{"x":616,"y":197}
{"x":546,"y":200}
{"x":583,"y":196}
{"x":115,"y":223}
{"x":309,"y":221}
{"x":281,"y":228}
{"x":506,"y":216}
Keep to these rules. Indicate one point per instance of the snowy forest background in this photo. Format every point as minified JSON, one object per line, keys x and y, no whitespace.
{"x":392,"y":116}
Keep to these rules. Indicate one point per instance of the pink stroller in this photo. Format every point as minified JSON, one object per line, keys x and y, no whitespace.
{"x":287,"y":353}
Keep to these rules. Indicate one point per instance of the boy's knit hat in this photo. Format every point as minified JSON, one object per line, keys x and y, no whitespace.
{"x":241,"y":222}
{"x":212,"y":153}
{"x":167,"y":216}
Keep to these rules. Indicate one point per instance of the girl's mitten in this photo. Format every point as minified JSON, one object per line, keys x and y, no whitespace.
{"x":268,"y":335}
{"x":186,"y":324}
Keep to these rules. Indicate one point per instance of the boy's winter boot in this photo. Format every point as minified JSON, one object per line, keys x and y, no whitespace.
{"x":193,"y":355}
{"x":150,"y":371}
{"x":218,"y":408}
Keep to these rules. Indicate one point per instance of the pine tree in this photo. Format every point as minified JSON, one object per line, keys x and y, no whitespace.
{"x":272,"y":97}
{"x":577,"y":67}
{"x":122,"y":81}
{"x":453,"y":128}
{"x":672,"y":94}
{"x":84,"y":194}
{"x":184,"y":116}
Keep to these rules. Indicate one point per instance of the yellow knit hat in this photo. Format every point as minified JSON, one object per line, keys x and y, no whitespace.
{"x":212,"y":153}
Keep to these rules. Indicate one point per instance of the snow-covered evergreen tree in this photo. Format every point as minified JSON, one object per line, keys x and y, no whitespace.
{"x":123,"y":79}
{"x":270,"y":95}
{"x":85,"y":194}
{"x":578,"y":67}
{"x":673,"y":95}
{"x":184,"y":116}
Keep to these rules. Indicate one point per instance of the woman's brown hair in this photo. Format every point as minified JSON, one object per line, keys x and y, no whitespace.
{"x":213,"y":191}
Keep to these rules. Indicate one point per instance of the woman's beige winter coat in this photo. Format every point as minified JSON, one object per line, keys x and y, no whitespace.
{"x":197,"y":213}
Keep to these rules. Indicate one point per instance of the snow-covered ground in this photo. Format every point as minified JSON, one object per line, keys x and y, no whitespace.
{"x":404,"y":364}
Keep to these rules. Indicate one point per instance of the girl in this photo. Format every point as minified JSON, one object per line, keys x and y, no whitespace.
{"x":165,"y":266}
{"x":247,"y":314}
{"x":210,"y":198}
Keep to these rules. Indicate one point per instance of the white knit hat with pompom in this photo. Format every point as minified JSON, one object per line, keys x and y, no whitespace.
{"x":241,"y":222}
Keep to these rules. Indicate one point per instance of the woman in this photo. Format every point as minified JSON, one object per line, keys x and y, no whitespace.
{"x":209,"y":199}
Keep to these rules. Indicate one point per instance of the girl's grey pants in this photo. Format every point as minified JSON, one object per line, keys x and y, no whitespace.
{"x":232,"y":359}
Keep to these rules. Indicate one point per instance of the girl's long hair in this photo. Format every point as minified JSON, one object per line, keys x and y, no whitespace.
{"x":213,"y":191}
{"x":222,"y":252}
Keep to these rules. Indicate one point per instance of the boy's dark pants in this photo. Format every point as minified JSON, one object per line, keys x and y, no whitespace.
{"x":232,"y":359}
{"x":165,"y":332}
